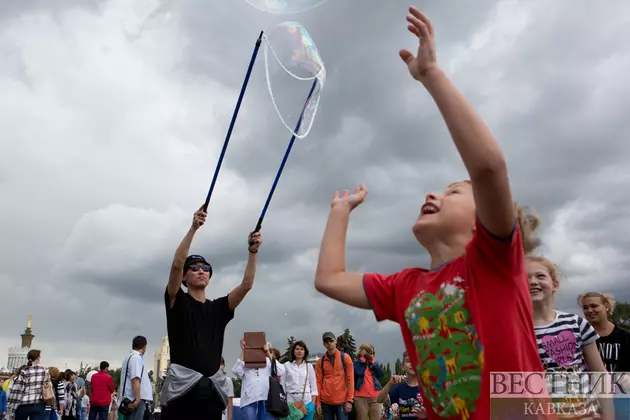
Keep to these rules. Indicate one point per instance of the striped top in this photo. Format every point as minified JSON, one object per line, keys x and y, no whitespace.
{"x":560,"y":345}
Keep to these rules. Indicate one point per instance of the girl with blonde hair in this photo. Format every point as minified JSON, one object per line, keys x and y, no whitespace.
{"x":613,"y":342}
{"x":566,"y":344}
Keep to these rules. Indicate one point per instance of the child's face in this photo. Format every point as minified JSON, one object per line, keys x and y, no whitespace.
{"x":594,"y":310}
{"x":447,"y":214}
{"x":541,"y":285}
{"x":408,"y":368}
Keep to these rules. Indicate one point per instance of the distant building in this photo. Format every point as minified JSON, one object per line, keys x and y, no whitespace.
{"x":161,"y":358}
{"x":17,"y":355}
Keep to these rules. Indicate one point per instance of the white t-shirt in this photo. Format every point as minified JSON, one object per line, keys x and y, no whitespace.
{"x":230,"y":394}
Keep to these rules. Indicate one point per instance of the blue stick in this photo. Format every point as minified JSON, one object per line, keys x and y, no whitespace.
{"x":284,"y":159}
{"x":234,"y":115}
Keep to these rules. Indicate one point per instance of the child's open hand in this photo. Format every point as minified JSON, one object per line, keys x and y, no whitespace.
{"x":351,"y":200}
{"x":420,"y":25}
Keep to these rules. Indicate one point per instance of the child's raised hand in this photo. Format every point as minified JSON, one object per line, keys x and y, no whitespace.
{"x":426,"y":60}
{"x":350,"y":200}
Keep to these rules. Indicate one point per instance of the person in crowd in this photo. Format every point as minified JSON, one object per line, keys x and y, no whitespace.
{"x":113,"y":409}
{"x":554,"y":330}
{"x":335,"y":381}
{"x":405,"y":393}
{"x":299,"y":380}
{"x":3,"y":404}
{"x":57,"y":379}
{"x":255,"y":384}
{"x":196,"y":327}
{"x":613,"y":344}
{"x":366,"y":384}
{"x":52,"y":411}
{"x":134,"y":380}
{"x":25,"y":399}
{"x":71,"y":396}
{"x":101,"y":390}
{"x":475,"y":236}
{"x":227,"y":413}
{"x":81,"y":409}
{"x":88,"y":381}
{"x":85,"y":406}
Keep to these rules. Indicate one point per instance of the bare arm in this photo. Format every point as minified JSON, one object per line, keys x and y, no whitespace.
{"x":331,"y":277}
{"x":177,"y":268}
{"x":480,"y":153}
{"x":595,"y":364}
{"x":230,"y":407}
{"x":475,"y":143}
{"x":384,"y":394}
{"x":135,"y":388}
{"x":237,"y":294}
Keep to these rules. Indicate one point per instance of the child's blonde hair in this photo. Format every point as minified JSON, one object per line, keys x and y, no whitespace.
{"x":528,"y":222}
{"x":552,"y":269}
{"x":605,"y":298}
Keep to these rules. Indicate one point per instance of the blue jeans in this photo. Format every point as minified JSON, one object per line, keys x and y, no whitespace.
{"x":329,"y":412}
{"x":256,"y":411}
{"x":99,"y":413}
{"x":31,"y":412}
{"x":82,"y":413}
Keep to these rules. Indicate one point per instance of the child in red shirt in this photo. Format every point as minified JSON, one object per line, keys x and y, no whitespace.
{"x":470,"y":314}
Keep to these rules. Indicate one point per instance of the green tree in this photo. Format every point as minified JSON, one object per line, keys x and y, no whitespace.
{"x":346,"y":343}
{"x":387,"y":373}
{"x":237,"y":387}
{"x":287,"y":354}
{"x":115,"y":374}
{"x":159,"y":383}
{"x":621,"y":315}
{"x":83,"y":370}
{"x":398,"y":370}
{"x":151,"y":376}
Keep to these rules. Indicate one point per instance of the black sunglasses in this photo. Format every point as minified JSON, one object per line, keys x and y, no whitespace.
{"x":328,"y":340}
{"x":195,"y":268}
{"x":369,"y":351}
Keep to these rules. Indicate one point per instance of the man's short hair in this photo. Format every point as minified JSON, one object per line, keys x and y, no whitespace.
{"x":104,"y":365}
{"x":138,"y":342}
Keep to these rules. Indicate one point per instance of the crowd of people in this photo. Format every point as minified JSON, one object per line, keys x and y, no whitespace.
{"x":485,"y":305}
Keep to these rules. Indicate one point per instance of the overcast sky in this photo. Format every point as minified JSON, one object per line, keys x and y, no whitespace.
{"x":113,"y":116}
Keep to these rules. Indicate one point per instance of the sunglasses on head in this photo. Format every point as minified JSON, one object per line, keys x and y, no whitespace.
{"x":196,"y":268}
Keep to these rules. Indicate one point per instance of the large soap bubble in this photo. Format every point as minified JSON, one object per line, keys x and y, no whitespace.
{"x":294,"y":68}
{"x":285,"y":7}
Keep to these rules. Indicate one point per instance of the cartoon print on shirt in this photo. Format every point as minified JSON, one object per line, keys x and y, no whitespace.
{"x":450,"y":356}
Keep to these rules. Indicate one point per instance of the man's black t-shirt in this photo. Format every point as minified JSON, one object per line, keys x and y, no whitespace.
{"x":196,"y":331}
{"x":615,"y":350}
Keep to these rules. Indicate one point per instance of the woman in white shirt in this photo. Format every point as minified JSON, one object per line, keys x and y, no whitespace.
{"x":299,"y":380}
{"x":255,"y":385}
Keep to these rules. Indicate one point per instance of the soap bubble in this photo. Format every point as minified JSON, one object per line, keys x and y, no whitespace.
{"x":285,"y":7}
{"x":295,"y":71}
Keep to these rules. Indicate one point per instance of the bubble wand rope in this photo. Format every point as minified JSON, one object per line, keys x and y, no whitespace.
{"x":284,"y":159}
{"x":234,"y":115}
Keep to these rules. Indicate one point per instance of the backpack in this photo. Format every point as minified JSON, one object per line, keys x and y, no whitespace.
{"x":343,"y":363}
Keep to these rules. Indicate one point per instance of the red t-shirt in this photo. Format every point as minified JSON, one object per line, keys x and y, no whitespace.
{"x":102,"y":389}
{"x":462,"y":321}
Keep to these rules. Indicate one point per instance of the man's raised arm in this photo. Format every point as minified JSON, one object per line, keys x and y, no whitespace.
{"x":177,"y":268}
{"x":237,"y":294}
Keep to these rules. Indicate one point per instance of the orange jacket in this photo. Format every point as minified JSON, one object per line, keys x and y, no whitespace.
{"x":335,"y":385}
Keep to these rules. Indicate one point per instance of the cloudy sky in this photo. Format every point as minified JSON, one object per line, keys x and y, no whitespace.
{"x":114,"y":113}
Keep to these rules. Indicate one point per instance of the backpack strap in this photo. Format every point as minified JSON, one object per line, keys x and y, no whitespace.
{"x":345,"y":369}
{"x":322,"y":366}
